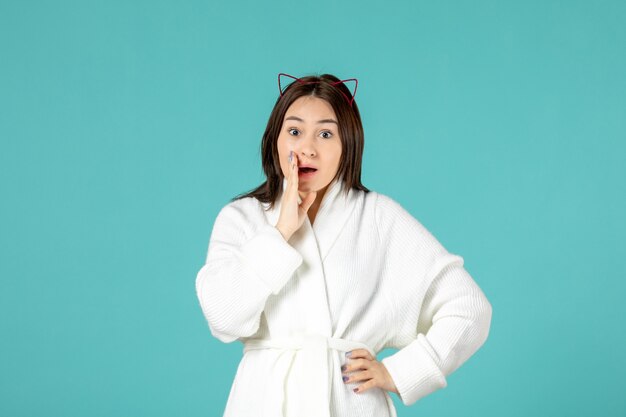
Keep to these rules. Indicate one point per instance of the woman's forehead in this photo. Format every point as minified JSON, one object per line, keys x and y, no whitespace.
{"x":310,"y":109}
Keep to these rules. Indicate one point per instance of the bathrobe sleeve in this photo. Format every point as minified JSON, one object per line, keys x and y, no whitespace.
{"x":248,"y":259}
{"x":442,"y":317}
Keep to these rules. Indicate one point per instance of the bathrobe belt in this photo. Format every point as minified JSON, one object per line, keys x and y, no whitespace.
{"x":318,"y":378}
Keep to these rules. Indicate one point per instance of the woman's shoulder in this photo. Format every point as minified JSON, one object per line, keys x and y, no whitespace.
{"x":237,"y":220}
{"x":385,"y":205}
{"x":243,"y":208}
{"x":394,"y":217}
{"x":240,"y":218}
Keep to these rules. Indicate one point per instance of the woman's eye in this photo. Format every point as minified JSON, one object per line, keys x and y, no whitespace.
{"x":325,"y":134}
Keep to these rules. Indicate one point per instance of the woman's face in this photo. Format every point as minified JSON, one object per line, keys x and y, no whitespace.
{"x":310,"y":129}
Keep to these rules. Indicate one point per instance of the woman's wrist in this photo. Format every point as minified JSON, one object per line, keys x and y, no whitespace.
{"x":286,"y":235}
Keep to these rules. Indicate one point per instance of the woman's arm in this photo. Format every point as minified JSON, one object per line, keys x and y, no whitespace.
{"x":454,"y":322}
{"x":442,"y":315}
{"x":241,"y":272}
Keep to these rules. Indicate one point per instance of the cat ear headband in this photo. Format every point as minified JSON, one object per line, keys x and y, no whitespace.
{"x":356,"y":83}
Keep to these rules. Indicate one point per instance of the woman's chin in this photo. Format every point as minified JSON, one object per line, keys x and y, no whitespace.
{"x":306,"y":188}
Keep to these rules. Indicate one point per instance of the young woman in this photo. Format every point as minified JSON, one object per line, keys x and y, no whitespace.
{"x":315,"y":274}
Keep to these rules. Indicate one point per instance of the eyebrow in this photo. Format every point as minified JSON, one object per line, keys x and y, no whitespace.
{"x":319,"y":121}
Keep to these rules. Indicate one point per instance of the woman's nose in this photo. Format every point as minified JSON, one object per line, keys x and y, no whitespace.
{"x":306,"y":146}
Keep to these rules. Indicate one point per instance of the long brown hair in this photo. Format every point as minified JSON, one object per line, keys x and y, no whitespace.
{"x":350,"y":131}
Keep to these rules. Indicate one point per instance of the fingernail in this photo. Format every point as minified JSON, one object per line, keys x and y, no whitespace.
{"x":345,"y":378}
{"x":356,"y":390}
{"x":343,"y":367}
{"x":348,"y":354}
{"x":290,"y":157}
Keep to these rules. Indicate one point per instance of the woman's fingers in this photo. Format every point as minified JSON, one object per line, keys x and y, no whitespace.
{"x":293,"y":173}
{"x":360,"y":353}
{"x":371,"y":373}
{"x":370,"y":383}
{"x":358,"y":376}
{"x":294,"y":209}
{"x":289,"y":216}
{"x":292,"y":185}
{"x":362,"y":367}
{"x":356,"y":365}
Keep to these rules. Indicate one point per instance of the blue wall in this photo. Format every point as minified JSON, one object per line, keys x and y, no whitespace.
{"x":126,"y":125}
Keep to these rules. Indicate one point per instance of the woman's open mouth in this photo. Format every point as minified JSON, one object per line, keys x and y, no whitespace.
{"x":306,"y":172}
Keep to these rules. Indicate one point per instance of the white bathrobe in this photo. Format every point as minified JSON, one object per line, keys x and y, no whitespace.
{"x":366,"y":274}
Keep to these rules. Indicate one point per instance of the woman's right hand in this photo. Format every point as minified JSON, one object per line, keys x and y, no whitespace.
{"x":292,"y":214}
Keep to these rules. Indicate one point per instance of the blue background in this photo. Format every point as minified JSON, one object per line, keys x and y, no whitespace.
{"x":127,"y":125}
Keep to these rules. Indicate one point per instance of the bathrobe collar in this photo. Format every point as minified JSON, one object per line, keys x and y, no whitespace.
{"x":335,"y":209}
{"x":314,"y":242}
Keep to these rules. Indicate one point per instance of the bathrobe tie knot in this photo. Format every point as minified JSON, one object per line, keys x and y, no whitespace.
{"x":314,"y":380}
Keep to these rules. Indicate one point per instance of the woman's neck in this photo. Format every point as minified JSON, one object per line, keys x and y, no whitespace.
{"x":316,"y":204}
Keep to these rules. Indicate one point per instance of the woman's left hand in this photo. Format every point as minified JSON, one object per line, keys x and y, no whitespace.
{"x":364,"y":367}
